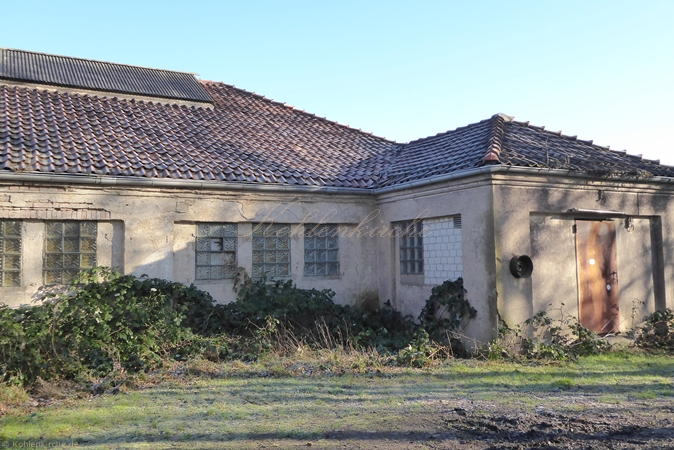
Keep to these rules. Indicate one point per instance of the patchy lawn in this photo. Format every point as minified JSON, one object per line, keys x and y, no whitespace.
{"x":615,"y":401}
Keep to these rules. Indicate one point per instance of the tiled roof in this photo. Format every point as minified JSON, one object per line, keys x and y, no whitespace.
{"x":502,"y":140}
{"x":56,"y":70}
{"x":247,"y":138}
{"x":244,"y":138}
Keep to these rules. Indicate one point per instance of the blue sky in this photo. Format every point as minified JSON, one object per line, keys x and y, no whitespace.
{"x":402,"y":70}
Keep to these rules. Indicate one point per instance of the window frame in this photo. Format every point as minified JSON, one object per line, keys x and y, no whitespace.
{"x":266,"y":255}
{"x":14,"y":256}
{"x":66,"y":237}
{"x":216,"y":242}
{"x":410,"y":247}
{"x":324,"y":239}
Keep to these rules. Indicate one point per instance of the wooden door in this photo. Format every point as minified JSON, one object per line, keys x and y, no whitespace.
{"x":597,"y":264}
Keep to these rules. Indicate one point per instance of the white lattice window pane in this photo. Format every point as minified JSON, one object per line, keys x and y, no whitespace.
{"x":203,"y":258}
{"x":283,"y":270}
{"x":203,"y":244}
{"x":12,"y":245}
{"x":88,"y":244}
{"x":216,"y":245}
{"x":68,"y":276}
{"x":11,"y":279}
{"x":54,"y":229}
{"x":215,"y":230}
{"x":283,"y":257}
{"x":321,"y":254}
{"x":71,"y":261}
{"x":11,"y":262}
{"x":71,"y":229}
{"x":202,"y":230}
{"x":89,"y":229}
{"x":229,"y":230}
{"x":230,"y":270}
{"x":54,"y":261}
{"x":258,"y":271}
{"x":217,"y":259}
{"x":258,"y":257}
{"x":71,"y":244}
{"x":88,"y":260}
{"x":54,"y":245}
{"x":217,"y":272}
{"x":216,"y":250}
{"x":258,"y":244}
{"x":52,"y":276}
{"x":12,"y":229}
{"x":229,"y":244}
{"x":203,"y":273}
{"x":310,"y":256}
{"x":310,"y":269}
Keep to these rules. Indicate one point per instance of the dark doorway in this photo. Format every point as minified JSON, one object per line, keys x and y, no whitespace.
{"x":597,"y":264}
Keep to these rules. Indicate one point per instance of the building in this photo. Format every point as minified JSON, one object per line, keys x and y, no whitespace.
{"x":158,"y":173}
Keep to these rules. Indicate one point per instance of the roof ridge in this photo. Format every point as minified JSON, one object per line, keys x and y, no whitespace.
{"x":496,"y":138}
{"x":288,"y":106}
{"x":447,"y":132}
{"x":97,"y":61}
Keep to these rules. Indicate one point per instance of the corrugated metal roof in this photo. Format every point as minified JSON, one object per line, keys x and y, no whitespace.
{"x":100,"y":76}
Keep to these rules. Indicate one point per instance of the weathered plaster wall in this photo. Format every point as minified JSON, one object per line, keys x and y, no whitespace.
{"x":531,"y":217}
{"x":152,"y":231}
{"x":469,"y":198}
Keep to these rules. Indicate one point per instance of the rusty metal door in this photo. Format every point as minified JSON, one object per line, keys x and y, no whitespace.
{"x":597,"y":264}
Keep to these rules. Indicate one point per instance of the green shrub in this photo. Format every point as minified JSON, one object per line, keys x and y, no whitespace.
{"x":557,"y":340}
{"x":109,"y":323}
{"x":446,"y":311}
{"x":311,"y":316}
{"x":657,"y":331}
{"x":120,"y":323}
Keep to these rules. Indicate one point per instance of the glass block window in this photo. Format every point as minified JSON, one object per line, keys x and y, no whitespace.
{"x":411,"y":247}
{"x":10,"y":253}
{"x":216,"y":251}
{"x":271,"y":250}
{"x":321,"y":252}
{"x":70,"y":247}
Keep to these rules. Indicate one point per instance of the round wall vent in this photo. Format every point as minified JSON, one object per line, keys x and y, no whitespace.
{"x":521,"y":266}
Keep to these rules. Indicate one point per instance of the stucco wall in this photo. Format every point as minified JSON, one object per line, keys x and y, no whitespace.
{"x":152,"y":231}
{"x":532,"y":217}
{"x":471,"y":200}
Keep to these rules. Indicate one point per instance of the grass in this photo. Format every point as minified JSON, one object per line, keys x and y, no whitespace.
{"x":281,"y":402}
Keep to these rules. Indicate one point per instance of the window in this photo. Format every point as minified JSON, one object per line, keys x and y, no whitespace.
{"x":271,"y":250}
{"x":10,"y":253}
{"x":321,"y":252}
{"x":70,"y":247}
{"x":411,"y":247}
{"x":216,"y":251}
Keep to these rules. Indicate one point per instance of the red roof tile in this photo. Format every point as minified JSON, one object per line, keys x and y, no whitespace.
{"x":246,"y":138}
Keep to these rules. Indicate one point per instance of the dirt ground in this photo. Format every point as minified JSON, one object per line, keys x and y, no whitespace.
{"x":566,"y":423}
